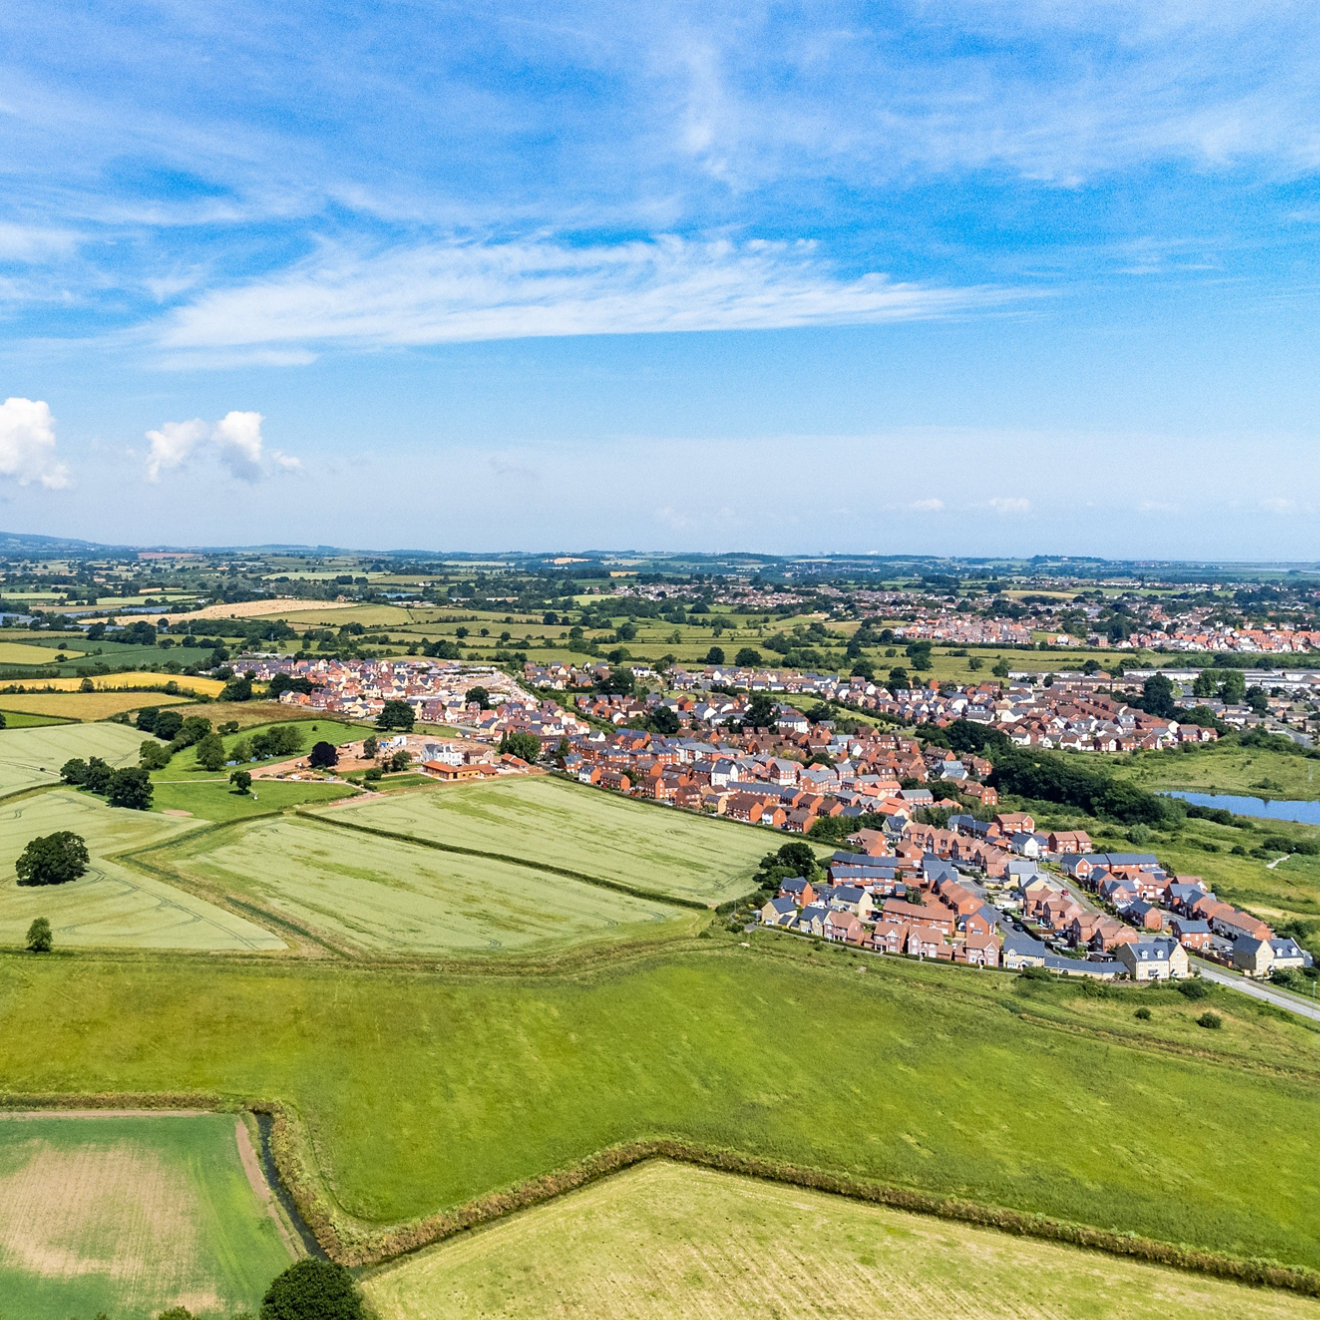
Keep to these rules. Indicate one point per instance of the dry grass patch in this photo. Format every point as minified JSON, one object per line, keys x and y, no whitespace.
{"x":85,"y":705}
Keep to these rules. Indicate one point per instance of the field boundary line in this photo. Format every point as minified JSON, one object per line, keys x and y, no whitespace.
{"x":357,"y":1244}
{"x":618,"y":886}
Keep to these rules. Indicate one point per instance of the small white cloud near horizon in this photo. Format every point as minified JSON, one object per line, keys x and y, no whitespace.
{"x":1279,"y":506}
{"x":235,"y":440}
{"x":27,"y":444}
{"x":927,"y":506}
{"x":1008,"y":506}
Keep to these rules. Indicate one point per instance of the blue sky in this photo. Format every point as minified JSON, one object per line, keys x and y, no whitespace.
{"x":972,"y":277}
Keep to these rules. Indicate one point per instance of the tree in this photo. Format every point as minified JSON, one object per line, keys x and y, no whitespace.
{"x":1259,"y":701}
{"x":153,"y":755}
{"x":898,"y":678}
{"x":211,"y":752}
{"x":39,"y":938}
{"x":146,"y":718}
{"x":975,"y":663}
{"x":665,"y":721}
{"x":1000,"y":669}
{"x":242,"y":781}
{"x":747,"y":658}
{"x":130,"y":788}
{"x":1204,"y":684}
{"x":53,"y":859}
{"x":167,"y":725}
{"x":190,"y":731}
{"x":479,"y":697}
{"x":313,"y":1290}
{"x":237,"y":689}
{"x":370,"y":746}
{"x":715,"y":656}
{"x":401,"y":760}
{"x":98,"y":775}
{"x":74,"y":771}
{"x":525,"y":746}
{"x":396,"y":715}
{"x":762,"y":711}
{"x":1233,"y":690}
{"x":323,"y":756}
{"x":1157,"y":696}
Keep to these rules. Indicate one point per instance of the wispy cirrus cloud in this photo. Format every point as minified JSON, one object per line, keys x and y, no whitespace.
{"x":465,"y":291}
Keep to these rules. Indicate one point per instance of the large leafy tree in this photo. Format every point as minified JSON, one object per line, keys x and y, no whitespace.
{"x":129,"y":788}
{"x":53,"y":859}
{"x":396,"y":715}
{"x":313,"y":1290}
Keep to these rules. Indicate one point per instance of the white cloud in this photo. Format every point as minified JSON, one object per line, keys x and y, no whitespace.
{"x":927,"y":506}
{"x":235,"y":440}
{"x":1009,"y":506}
{"x":27,"y":444}
{"x":464,"y":291}
{"x":173,"y":445}
{"x":1280,"y":506}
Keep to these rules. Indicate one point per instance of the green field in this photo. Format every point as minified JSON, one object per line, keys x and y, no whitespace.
{"x":130,"y":1215}
{"x":31,"y":757}
{"x":540,"y":819}
{"x":422,"y":1090}
{"x":669,"y":1241}
{"x":18,"y":653}
{"x":1227,"y":768}
{"x":213,"y":799}
{"x":21,"y":719}
{"x":113,"y":905}
{"x":366,"y":895}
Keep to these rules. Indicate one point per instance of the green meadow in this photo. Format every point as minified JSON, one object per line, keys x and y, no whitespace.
{"x":667,"y":1241}
{"x":420,"y":1091}
{"x":365,"y":895}
{"x":549,"y":820}
{"x":130,"y":1215}
{"x":114,"y":905}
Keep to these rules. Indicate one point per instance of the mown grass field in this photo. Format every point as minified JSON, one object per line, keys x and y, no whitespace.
{"x":1227,"y":768}
{"x":113,"y":905}
{"x":667,"y":1241}
{"x":130,"y":1215}
{"x":33,"y":756}
{"x":383,"y":897}
{"x":542,"y":819}
{"x":71,"y":705}
{"x":213,"y":798}
{"x":421,"y":1091}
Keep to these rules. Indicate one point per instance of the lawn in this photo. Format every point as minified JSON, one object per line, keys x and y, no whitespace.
{"x":214,"y":799}
{"x":30,"y":757}
{"x":667,"y":1241}
{"x":114,"y":905}
{"x":421,"y":1091}
{"x":366,"y":895}
{"x":587,"y":830}
{"x":130,"y":1215}
{"x":85,"y":705}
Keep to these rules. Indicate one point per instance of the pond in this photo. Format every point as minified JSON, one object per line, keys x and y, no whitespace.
{"x":1308,"y":813}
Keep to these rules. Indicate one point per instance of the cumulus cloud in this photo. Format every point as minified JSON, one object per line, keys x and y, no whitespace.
{"x":927,"y":506}
{"x":27,"y":444}
{"x":235,"y":440}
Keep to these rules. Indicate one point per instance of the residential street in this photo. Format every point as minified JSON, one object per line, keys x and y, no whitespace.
{"x":1293,"y":1003}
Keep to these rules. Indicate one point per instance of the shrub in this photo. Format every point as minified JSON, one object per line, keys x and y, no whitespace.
{"x":313,"y":1290}
{"x":1142,"y":1014}
{"x":1211,"y":1021}
{"x":1192,"y":989}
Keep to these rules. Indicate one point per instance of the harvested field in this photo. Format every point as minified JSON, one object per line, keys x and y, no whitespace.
{"x":130,"y":1215}
{"x":134,"y":678}
{"x":249,"y":609}
{"x":31,"y":757}
{"x":113,"y":905}
{"x":381,"y":896}
{"x":546,"y":820}
{"x":669,"y":1242}
{"x":248,"y":714}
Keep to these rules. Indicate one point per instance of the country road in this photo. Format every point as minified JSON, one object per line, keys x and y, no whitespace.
{"x":1293,"y":1003}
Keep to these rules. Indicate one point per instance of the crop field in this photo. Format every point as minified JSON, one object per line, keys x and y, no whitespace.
{"x":250,"y":714}
{"x":667,"y":1241}
{"x":30,"y":757}
{"x":17,"y":719}
{"x":135,"y":678}
{"x":421,"y":1091}
{"x":84,"y":705}
{"x":130,"y":1215}
{"x":114,"y":905}
{"x":248,"y":609}
{"x":16,"y":653}
{"x":587,"y":830}
{"x":381,"y":896}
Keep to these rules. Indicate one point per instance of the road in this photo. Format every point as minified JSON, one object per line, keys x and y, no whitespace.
{"x":1293,"y":1003}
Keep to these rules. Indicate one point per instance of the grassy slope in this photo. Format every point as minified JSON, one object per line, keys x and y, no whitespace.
{"x":187,"y":1228}
{"x":385,"y":896}
{"x":29,"y":757}
{"x":423,"y":1090}
{"x":585,"y":830}
{"x":112,"y":906}
{"x":1227,"y":768}
{"x":665,"y":1240}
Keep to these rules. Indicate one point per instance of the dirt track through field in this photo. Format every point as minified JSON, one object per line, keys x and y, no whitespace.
{"x":261,"y":1189}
